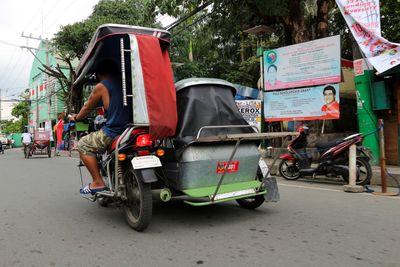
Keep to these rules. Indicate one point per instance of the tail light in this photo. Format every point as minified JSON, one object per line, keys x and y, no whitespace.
{"x":143,"y":140}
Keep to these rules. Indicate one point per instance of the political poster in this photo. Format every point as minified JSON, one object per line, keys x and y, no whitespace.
{"x":306,"y":64}
{"x":308,"y":103}
{"x":363,"y":20}
{"x":251,"y":111}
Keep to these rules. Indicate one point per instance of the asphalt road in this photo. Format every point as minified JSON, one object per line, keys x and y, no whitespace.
{"x":44,"y":222}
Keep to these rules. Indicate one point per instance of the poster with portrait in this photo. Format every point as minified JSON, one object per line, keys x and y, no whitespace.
{"x":308,"y":103}
{"x":306,"y":64}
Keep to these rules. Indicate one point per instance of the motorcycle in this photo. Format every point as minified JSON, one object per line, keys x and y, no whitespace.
{"x":187,"y":140}
{"x":332,"y":162}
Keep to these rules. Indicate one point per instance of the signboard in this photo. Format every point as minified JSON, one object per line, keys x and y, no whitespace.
{"x":251,"y":111}
{"x":363,"y":19}
{"x":306,"y":64}
{"x":309,"y":103}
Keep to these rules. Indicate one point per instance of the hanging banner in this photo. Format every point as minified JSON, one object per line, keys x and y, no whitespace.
{"x":306,"y":64}
{"x":309,"y":103}
{"x":363,"y":19}
{"x":48,"y":128}
{"x":251,"y":111}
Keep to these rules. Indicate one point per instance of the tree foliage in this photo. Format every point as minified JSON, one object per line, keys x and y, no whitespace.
{"x":21,"y":112}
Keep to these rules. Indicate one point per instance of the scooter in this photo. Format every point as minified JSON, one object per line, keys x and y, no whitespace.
{"x":333,"y":160}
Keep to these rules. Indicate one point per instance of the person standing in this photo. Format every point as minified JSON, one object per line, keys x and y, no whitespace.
{"x":26,"y":139}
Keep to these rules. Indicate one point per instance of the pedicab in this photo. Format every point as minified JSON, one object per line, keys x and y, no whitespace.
{"x":185,"y":141}
{"x":40,"y":144}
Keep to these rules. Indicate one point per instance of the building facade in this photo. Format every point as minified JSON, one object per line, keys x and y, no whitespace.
{"x":45,"y":91}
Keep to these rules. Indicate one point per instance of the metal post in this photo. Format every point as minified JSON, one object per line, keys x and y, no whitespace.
{"x":383,"y":162}
{"x":37,"y":107}
{"x":383,"y":157}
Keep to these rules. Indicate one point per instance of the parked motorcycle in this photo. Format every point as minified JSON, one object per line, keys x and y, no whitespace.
{"x":333,"y":160}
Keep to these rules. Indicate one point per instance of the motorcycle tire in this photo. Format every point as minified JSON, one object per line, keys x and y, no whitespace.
{"x":138,"y":207}
{"x":289,"y":169}
{"x":49,"y":152}
{"x":364,"y":172}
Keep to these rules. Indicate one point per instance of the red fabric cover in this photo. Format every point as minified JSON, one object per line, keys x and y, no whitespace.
{"x":59,"y":128}
{"x":159,"y":87}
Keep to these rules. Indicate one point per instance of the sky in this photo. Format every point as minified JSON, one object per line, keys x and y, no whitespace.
{"x":39,"y":18}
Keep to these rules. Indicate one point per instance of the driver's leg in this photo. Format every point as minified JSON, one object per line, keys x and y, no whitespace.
{"x":91,"y":164}
{"x":88,"y":147}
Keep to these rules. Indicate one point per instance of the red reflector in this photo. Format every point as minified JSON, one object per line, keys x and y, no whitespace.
{"x":143,"y":153}
{"x":143,"y":140}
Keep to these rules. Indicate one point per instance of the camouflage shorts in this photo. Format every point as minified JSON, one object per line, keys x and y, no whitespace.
{"x":95,"y":142}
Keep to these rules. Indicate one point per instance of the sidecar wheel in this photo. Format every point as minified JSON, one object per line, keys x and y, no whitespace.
{"x":138,"y":207}
{"x":251,"y":203}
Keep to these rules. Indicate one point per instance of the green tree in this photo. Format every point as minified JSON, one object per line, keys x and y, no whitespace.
{"x":21,"y":112}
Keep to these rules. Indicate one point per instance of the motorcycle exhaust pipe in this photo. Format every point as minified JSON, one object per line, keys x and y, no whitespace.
{"x":165,"y":194}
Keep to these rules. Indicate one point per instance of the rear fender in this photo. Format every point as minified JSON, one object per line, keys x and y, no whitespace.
{"x":287,"y":157}
{"x":146,"y":175}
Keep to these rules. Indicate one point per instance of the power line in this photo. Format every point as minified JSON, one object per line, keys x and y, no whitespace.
{"x":34,"y":14}
{"x":186,"y":17}
{"x":8,"y":43}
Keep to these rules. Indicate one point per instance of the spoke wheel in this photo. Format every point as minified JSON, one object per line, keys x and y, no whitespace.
{"x":138,"y":206}
{"x":289,"y":169}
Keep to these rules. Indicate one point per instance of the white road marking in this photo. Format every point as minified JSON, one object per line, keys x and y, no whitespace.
{"x":333,"y":190}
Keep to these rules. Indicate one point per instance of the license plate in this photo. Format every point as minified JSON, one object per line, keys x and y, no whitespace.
{"x":235,"y":194}
{"x":145,"y":162}
{"x":233,"y":167}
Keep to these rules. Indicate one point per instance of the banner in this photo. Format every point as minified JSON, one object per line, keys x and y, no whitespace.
{"x":306,"y":64}
{"x":309,"y":103}
{"x":251,"y":111}
{"x":363,"y":19}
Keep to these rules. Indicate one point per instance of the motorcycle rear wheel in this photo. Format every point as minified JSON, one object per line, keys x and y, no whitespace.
{"x":289,"y":169}
{"x":139,"y":205}
{"x":364,"y":172}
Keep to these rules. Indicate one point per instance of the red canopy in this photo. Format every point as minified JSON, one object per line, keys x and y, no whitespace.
{"x":159,"y":87}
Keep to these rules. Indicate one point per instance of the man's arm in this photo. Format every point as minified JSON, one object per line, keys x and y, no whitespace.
{"x":94,"y":98}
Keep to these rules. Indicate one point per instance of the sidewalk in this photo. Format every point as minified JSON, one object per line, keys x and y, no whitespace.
{"x":376,"y":173}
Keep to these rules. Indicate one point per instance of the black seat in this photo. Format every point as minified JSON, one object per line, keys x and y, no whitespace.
{"x":322,"y":147}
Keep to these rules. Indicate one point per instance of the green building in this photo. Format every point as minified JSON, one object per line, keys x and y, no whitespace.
{"x":45,"y":91}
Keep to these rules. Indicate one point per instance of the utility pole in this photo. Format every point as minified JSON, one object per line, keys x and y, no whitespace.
{"x":0,"y":106}
{"x":45,"y":79}
{"x":0,"y":111}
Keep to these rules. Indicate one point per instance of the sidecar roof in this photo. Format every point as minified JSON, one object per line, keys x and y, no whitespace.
{"x":87,"y":62}
{"x":146,"y":73}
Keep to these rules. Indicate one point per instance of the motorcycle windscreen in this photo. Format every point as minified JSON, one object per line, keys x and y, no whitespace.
{"x":154,"y":97}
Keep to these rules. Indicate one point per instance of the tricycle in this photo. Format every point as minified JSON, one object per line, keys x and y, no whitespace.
{"x":40,"y":144}
{"x":186,"y":140}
